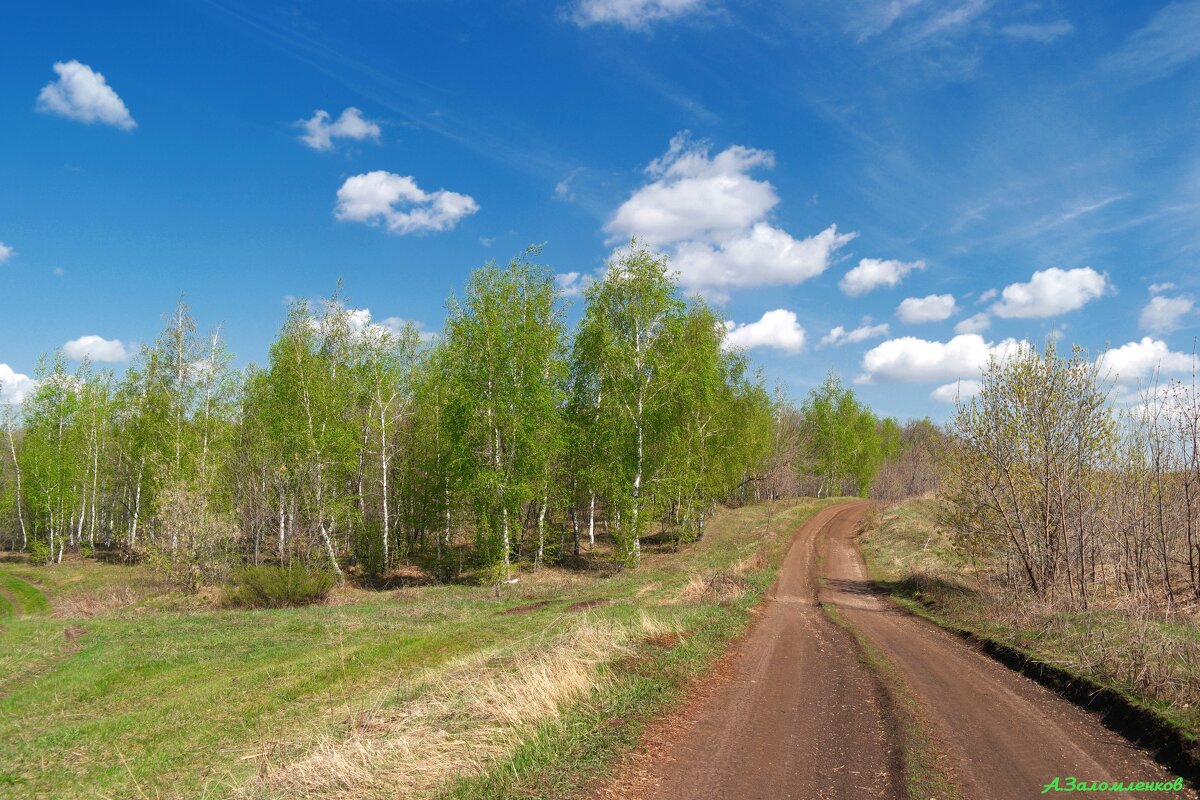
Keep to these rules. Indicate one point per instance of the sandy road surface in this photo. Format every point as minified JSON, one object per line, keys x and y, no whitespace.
{"x":793,"y":713}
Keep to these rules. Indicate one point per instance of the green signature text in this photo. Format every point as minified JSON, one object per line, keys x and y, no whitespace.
{"x":1072,"y":784}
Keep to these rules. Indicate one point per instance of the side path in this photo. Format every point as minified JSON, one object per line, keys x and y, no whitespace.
{"x":1003,"y":735}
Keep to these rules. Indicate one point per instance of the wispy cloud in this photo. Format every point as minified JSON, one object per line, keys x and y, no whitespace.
{"x":1073,"y":212}
{"x":947,"y":21}
{"x":1041,"y":32}
{"x":485,"y":129}
{"x":1166,"y":42}
{"x":563,"y":190}
{"x":631,"y":14}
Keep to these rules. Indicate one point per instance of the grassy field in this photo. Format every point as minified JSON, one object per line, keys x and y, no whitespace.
{"x":1152,"y":660}
{"x":111,"y":686}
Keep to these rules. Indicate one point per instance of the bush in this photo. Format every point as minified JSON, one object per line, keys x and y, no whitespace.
{"x":277,"y":587}
{"x":368,"y":550}
{"x":39,"y":552}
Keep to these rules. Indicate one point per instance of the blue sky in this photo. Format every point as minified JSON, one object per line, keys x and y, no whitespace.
{"x":940,"y":180}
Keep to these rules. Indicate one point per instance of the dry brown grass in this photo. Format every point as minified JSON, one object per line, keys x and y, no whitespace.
{"x":723,"y":587}
{"x":82,"y":605}
{"x":459,"y":723}
{"x":552,"y":582}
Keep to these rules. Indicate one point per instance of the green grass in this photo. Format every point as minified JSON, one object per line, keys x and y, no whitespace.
{"x":159,"y":695}
{"x":566,"y":756}
{"x":25,"y":596}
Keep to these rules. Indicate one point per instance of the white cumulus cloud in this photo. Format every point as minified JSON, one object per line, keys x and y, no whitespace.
{"x":1164,"y":314}
{"x":710,"y":215}
{"x":1051,"y":292}
{"x":319,"y":132}
{"x":695,"y":195}
{"x":632,"y":14}
{"x":396,"y":326}
{"x":912,"y":360}
{"x":956,"y":390}
{"x":934,"y":308}
{"x":839,"y":336}
{"x":872,"y":273}
{"x":571,"y":284}
{"x":14,"y":386}
{"x":776,"y":329}
{"x":976,"y":323}
{"x":82,"y":94}
{"x":96,"y":348}
{"x":399,"y":204}
{"x":1140,"y":359}
{"x":764,"y":256}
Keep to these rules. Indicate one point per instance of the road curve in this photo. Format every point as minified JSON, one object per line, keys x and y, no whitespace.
{"x":793,"y":713}
{"x":1003,"y":735}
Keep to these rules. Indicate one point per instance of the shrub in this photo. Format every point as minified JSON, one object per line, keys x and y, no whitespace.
{"x":368,"y":550}
{"x":277,"y":587}
{"x":39,"y":552}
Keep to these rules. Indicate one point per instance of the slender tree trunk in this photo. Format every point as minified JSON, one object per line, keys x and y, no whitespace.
{"x":541,"y":529}
{"x":137,"y":505}
{"x":575,"y":528}
{"x":327,"y":538}
{"x":592,"y":520}
{"x":383,"y":459}
{"x":20,"y":512}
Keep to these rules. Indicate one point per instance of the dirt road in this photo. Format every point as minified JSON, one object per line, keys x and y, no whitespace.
{"x":794,"y":713}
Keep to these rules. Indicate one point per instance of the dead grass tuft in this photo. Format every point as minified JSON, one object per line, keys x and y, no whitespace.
{"x":79,"y":605}
{"x":724,"y":587}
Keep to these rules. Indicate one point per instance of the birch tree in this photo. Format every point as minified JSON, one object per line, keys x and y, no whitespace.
{"x":505,"y":351}
{"x":624,"y":347}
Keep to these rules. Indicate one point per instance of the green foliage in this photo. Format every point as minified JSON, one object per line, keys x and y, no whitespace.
{"x":368,"y":549}
{"x":506,"y":371}
{"x":39,"y":552}
{"x":843,"y":439}
{"x":503,"y":441}
{"x":628,"y":357}
{"x":274,"y":586}
{"x":1028,"y":465}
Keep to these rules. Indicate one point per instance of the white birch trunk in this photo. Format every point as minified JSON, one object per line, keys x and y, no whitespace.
{"x":20,"y":512}
{"x":592,"y":520}
{"x":541,"y":526}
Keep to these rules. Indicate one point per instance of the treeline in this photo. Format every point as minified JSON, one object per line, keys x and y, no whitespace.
{"x":1075,"y":498}
{"x":504,"y":439}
